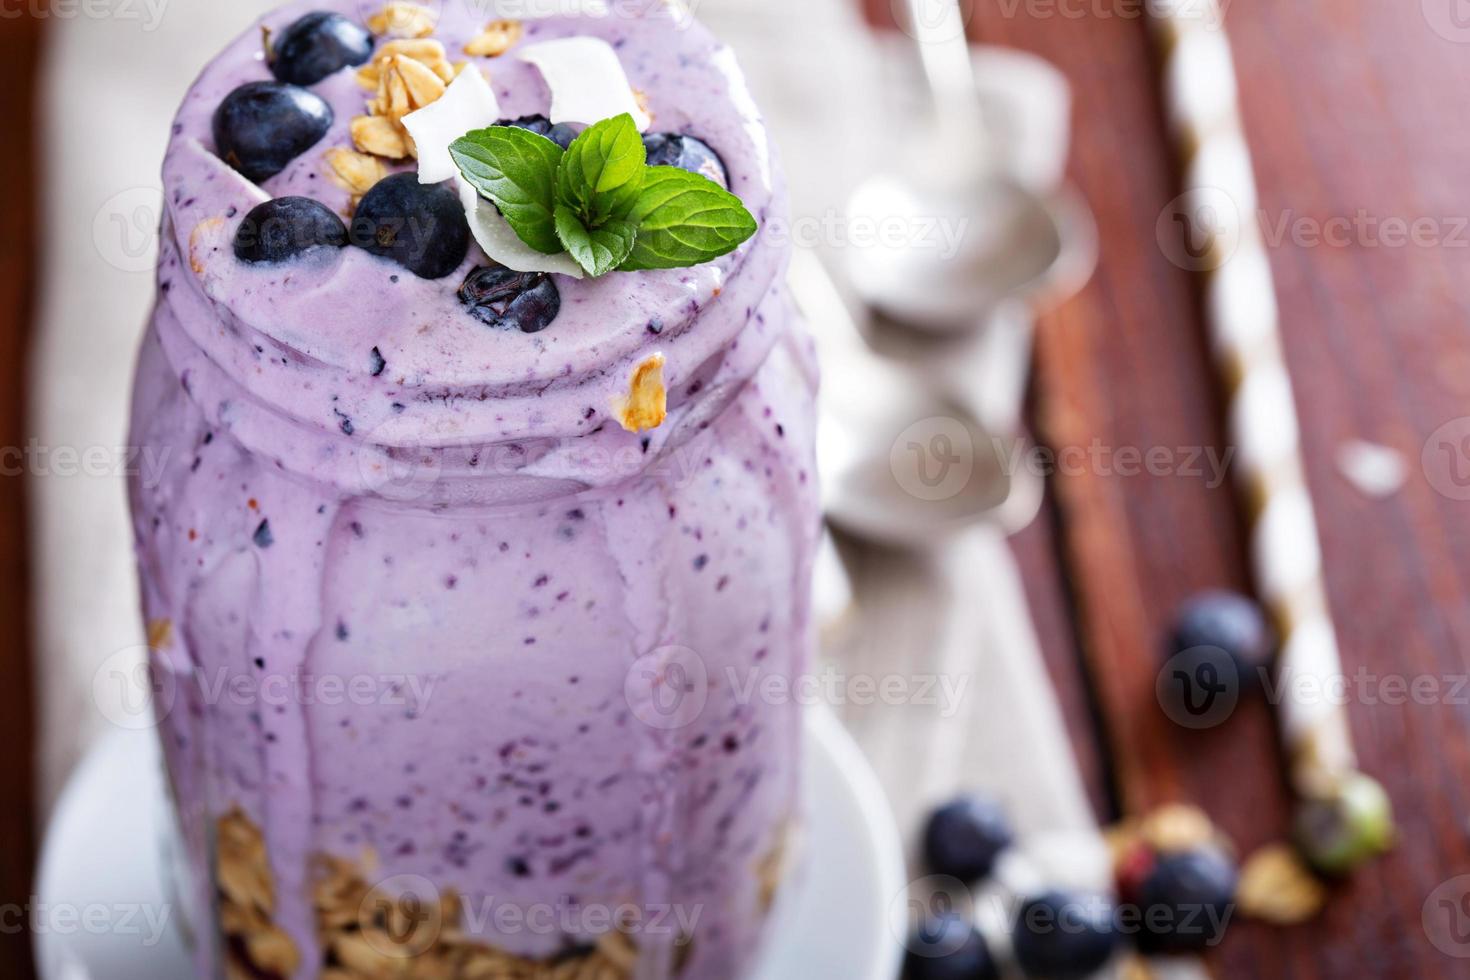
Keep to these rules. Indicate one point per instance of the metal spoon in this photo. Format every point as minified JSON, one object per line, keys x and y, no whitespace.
{"x":901,"y":464}
{"x":1001,"y":240}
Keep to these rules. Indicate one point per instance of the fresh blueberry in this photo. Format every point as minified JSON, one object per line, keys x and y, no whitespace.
{"x":1185,"y":899}
{"x":318,"y":45}
{"x":560,"y":133}
{"x":262,"y":126}
{"x":1230,"y":622}
{"x":527,"y":301}
{"x":686,"y":153}
{"x":422,"y":227}
{"x":285,"y":228}
{"x":964,"y":838}
{"x":948,"y":948}
{"x":1062,"y":936}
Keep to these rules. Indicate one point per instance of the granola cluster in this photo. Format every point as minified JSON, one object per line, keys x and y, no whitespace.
{"x":646,"y":405}
{"x":246,"y":893}
{"x":367,"y":933}
{"x":411,"y":71}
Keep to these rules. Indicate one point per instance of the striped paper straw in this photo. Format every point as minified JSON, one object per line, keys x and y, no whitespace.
{"x":1224,"y":244}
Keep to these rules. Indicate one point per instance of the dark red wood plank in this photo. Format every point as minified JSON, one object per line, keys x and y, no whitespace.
{"x":19,"y":44}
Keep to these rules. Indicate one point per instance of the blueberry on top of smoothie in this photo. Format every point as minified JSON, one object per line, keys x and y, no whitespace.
{"x":261,"y":127}
{"x":561,"y":134}
{"x":503,"y":298}
{"x":686,"y":153}
{"x":318,"y":45}
{"x":287,"y":227}
{"x":422,"y":227}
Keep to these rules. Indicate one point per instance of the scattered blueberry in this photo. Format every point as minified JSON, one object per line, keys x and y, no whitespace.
{"x":948,"y":948}
{"x":1230,"y":622}
{"x":318,"y":45}
{"x":561,"y":134}
{"x":502,"y":298}
{"x":1184,"y":901}
{"x":286,"y":227}
{"x":686,"y":153}
{"x":261,"y":127}
{"x":1062,"y":936}
{"x":1338,"y":833}
{"x":422,"y":227}
{"x":263,"y":536}
{"x":964,"y":838}
{"x":376,"y":362}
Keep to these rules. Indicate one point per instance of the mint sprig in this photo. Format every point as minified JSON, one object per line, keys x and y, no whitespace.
{"x":599,"y":201}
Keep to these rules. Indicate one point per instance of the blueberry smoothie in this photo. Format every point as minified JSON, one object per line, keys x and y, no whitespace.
{"x":464,"y":581}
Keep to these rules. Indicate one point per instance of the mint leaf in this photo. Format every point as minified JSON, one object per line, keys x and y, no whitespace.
{"x":516,"y":169}
{"x":597,"y":250}
{"x":602,"y":172}
{"x":684,"y":219}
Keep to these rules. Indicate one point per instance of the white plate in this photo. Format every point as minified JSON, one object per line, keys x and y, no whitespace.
{"x":103,"y":895}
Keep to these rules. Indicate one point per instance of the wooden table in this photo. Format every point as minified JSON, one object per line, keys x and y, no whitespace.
{"x":1351,"y":107}
{"x":19,"y":57}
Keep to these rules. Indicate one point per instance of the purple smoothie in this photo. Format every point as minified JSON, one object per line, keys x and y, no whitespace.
{"x":432,"y":630}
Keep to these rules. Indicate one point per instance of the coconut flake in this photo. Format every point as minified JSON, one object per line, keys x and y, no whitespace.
{"x":468,"y":104}
{"x":501,"y":243}
{"x":587,"y":81}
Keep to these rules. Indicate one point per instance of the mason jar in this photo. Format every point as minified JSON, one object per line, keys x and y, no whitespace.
{"x":462,"y":636}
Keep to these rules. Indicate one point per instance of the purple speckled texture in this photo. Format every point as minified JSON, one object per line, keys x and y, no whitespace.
{"x":471,"y":537}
